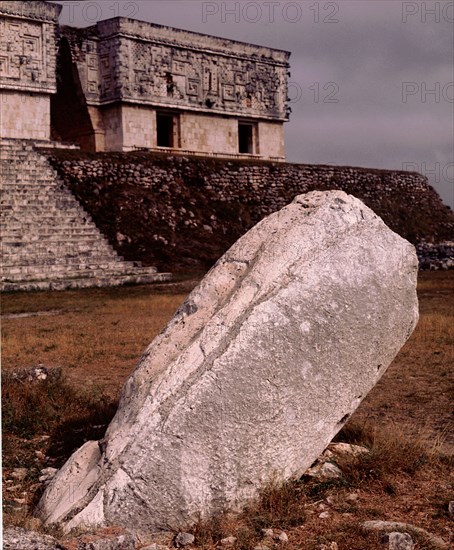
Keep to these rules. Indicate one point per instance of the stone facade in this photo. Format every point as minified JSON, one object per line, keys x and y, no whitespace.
{"x":123,"y":85}
{"x":35,"y":122}
{"x":202,"y":90}
{"x":27,"y":68}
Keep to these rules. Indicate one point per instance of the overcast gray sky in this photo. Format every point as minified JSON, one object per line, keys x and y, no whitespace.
{"x":372,"y":81}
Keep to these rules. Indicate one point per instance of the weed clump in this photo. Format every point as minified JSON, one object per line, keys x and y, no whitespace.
{"x":390,"y":452}
{"x":68,"y":415}
{"x":280,"y":506}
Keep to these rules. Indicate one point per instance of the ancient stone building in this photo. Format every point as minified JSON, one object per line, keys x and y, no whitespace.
{"x":124,"y":84}
{"x":149,"y":86}
{"x":28,"y":45}
{"x":47,"y":240}
{"x":120,"y":85}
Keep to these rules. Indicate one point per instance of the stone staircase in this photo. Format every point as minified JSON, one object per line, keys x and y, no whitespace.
{"x":48,"y":241}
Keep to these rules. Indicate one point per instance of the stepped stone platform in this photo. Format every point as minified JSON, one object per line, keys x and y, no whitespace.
{"x":48,"y":241}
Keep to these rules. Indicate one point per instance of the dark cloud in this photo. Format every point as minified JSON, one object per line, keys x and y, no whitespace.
{"x":364,"y":54}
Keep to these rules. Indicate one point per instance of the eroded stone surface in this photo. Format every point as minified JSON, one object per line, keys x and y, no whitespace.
{"x":256,"y":372}
{"x":16,"y":537}
{"x":400,"y":541}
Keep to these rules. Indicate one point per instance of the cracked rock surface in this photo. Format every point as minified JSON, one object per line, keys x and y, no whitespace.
{"x":255,"y":374}
{"x":15,"y":538}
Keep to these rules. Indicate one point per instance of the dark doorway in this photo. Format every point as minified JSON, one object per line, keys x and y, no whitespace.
{"x":70,"y":120}
{"x":245,"y":138}
{"x":165,"y":129}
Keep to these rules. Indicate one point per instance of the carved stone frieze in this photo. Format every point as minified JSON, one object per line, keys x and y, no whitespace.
{"x":137,"y":62}
{"x":28,"y":46}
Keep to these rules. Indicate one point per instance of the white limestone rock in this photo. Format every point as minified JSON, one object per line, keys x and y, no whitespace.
{"x":71,"y":483}
{"x":324,"y":471}
{"x":256,"y":372}
{"x":17,"y":538}
{"x":282,"y":537}
{"x":228,"y":542}
{"x":400,"y":541}
{"x":184,"y":539}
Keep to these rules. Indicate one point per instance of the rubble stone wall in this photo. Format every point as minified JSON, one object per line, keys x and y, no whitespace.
{"x":184,"y":212}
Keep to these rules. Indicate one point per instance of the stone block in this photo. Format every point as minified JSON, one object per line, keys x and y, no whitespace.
{"x":257,"y":371}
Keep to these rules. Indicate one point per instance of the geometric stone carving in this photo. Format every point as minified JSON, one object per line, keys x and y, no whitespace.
{"x":27,"y":46}
{"x":165,"y":67}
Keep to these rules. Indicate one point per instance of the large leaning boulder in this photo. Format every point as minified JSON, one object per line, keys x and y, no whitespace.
{"x":257,"y":371}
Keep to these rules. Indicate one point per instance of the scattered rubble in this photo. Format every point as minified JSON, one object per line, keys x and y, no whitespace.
{"x":15,"y":538}
{"x":435,"y":256}
{"x":184,"y":539}
{"x":35,"y":374}
{"x":394,"y":526}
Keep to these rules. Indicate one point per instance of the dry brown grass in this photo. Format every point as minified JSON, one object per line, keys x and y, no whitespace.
{"x":279,"y":507}
{"x":406,"y":421}
{"x":438,"y":281}
{"x":97,"y":337}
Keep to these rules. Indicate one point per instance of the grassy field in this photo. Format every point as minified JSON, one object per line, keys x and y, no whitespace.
{"x":97,"y":336}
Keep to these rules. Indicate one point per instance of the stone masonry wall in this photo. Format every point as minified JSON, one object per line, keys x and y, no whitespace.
{"x":28,"y":46}
{"x":183,"y":213}
{"x":27,"y":68}
{"x":34,"y":119}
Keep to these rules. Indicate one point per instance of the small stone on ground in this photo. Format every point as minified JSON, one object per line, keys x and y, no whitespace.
{"x":184,"y":539}
{"x":400,"y":541}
